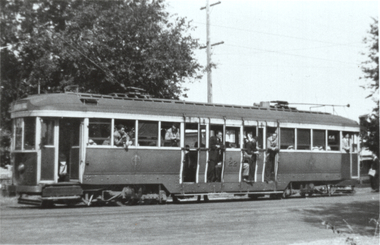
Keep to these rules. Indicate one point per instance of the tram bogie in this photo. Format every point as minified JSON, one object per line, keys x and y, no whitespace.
{"x":119,"y":150}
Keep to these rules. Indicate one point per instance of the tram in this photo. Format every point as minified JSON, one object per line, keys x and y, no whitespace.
{"x":64,"y":150}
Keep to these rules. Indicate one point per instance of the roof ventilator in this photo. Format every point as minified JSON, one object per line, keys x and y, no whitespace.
{"x":133,"y":93}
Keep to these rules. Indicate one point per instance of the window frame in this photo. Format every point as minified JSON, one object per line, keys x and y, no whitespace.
{"x":14,"y":133}
{"x":279,"y":136}
{"x":297,"y":139}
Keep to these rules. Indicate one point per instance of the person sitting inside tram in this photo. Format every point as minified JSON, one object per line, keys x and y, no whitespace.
{"x":214,"y":170}
{"x":250,"y":153}
{"x":91,"y":142}
{"x":120,"y":137}
{"x":272,"y":150}
{"x":172,"y":135}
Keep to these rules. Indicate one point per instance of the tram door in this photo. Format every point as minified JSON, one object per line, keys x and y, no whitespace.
{"x":232,"y":158}
{"x":260,"y":157}
{"x":48,"y":148}
{"x":194,"y":162}
{"x":69,"y":149}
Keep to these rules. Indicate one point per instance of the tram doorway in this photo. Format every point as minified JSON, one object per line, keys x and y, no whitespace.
{"x":194,"y":168}
{"x":69,"y":149}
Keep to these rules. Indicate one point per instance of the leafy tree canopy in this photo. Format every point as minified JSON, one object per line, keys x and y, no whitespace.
{"x":101,"y":46}
{"x":370,"y":69}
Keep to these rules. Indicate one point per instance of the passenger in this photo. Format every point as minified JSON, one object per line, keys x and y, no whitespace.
{"x":346,"y":143}
{"x":131,"y":135}
{"x":91,"y":142}
{"x":107,"y":141}
{"x":172,"y":135}
{"x":251,"y":151}
{"x":272,"y":150}
{"x":216,"y":158}
{"x":120,"y":137}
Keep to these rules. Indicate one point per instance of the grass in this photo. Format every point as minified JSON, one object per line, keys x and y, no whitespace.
{"x":8,"y":201}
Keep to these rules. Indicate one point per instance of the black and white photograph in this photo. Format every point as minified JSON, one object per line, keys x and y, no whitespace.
{"x":189,"y":122}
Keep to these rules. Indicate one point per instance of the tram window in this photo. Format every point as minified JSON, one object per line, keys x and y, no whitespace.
{"x":129,"y":129}
{"x":287,"y":138}
{"x":214,"y":130}
{"x":29,"y":133}
{"x":191,"y":135}
{"x":170,"y":134}
{"x":333,"y":140}
{"x":232,"y":137}
{"x":261,"y":138}
{"x":148,"y":133}
{"x":246,"y":131}
{"x":18,"y":133}
{"x":350,"y":142}
{"x":47,"y":132}
{"x":99,"y":131}
{"x":319,"y":140}
{"x":303,"y":139}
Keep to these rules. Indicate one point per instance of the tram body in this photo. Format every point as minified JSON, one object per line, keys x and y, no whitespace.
{"x":54,"y":160}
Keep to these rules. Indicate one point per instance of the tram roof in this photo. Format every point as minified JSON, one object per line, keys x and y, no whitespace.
{"x":88,"y":103}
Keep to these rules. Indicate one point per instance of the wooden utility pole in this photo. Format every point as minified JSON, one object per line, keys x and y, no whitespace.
{"x":209,"y":81}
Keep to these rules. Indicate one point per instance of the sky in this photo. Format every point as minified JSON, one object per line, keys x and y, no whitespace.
{"x":295,"y":51}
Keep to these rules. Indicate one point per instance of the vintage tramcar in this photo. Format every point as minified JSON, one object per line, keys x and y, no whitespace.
{"x":63,"y":149}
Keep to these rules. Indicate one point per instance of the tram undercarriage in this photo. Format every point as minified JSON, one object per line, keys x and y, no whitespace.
{"x":71,"y":195}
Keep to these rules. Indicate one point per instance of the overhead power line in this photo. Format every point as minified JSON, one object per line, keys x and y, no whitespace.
{"x":296,"y":55}
{"x":274,"y":34}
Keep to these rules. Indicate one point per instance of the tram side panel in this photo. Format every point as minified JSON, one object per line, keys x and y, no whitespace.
{"x":25,"y":174}
{"x":324,"y":168}
{"x":119,"y":166}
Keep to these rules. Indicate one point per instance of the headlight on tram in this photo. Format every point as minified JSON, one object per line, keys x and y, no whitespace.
{"x":21,"y":168}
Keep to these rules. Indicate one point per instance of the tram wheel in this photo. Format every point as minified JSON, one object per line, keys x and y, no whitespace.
{"x":47,"y":204}
{"x":254,"y":196}
{"x":286,"y":193}
{"x":331,"y":190}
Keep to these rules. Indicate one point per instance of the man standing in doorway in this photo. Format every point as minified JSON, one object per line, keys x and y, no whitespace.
{"x":216,"y":158}
{"x":272,"y":150}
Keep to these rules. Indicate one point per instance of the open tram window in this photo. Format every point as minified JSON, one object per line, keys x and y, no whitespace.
{"x":99,"y":132}
{"x":333,"y":140}
{"x":303,"y":139}
{"x":248,"y":130}
{"x":148,"y":133}
{"x":126,"y":136}
{"x":232,"y":137}
{"x":191,"y":135}
{"x":287,"y":138}
{"x":319,"y":140}
{"x":170,"y":134}
{"x":349,"y":142}
{"x":47,"y":131}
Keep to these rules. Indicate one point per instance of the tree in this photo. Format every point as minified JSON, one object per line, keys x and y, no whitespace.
{"x":101,"y":46}
{"x":370,"y":69}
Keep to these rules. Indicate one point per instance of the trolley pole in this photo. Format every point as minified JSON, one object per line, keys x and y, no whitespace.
{"x":209,"y":81}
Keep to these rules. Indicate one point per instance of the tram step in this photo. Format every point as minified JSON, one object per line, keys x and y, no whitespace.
{"x":29,"y":201}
